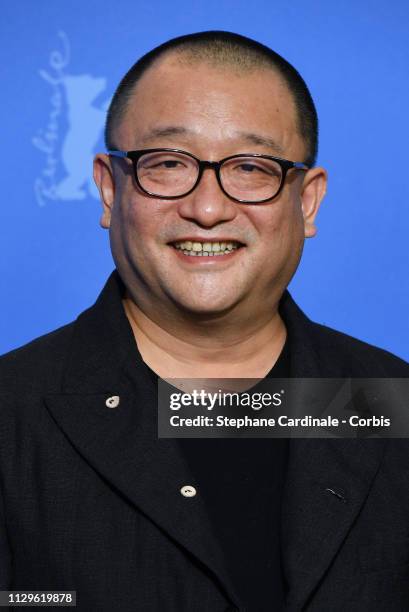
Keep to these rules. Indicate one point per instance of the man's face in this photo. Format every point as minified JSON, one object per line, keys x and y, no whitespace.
{"x":211,"y":113}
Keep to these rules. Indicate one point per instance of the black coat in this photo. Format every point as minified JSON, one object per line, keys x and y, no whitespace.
{"x":91,"y":498}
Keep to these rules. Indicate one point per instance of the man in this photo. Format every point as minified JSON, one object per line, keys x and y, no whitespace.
{"x":208,"y":192}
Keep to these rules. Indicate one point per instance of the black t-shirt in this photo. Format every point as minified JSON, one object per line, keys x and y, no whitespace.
{"x":241,"y":481}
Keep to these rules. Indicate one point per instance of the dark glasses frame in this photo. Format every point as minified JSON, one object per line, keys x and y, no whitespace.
{"x":134,"y":156}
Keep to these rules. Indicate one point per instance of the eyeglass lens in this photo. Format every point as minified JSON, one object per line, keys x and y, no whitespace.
{"x":171,"y":174}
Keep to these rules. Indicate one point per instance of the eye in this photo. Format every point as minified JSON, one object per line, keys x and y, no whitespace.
{"x":169,"y":163}
{"x":252,"y":168}
{"x":249,"y":167}
{"x":162,"y":162}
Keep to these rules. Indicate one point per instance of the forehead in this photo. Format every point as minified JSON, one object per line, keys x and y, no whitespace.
{"x":211,"y":104}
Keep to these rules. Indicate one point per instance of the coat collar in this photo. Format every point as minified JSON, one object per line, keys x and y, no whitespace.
{"x":122,"y":445}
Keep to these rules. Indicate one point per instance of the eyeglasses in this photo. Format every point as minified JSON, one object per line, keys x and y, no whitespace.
{"x":249,"y":178}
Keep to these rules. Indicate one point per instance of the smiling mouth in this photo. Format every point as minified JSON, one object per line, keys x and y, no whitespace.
{"x":206,"y":249}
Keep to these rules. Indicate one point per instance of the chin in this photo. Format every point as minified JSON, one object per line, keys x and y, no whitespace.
{"x":205,"y":307}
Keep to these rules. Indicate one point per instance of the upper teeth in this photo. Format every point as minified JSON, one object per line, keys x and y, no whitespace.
{"x":209,"y":247}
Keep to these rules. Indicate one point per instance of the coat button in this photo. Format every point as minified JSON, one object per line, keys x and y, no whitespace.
{"x":112,"y":402}
{"x":188,"y":491}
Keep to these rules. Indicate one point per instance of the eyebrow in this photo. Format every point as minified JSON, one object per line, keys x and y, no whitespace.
{"x":165,"y":132}
{"x":259,"y":139}
{"x":250,"y":137}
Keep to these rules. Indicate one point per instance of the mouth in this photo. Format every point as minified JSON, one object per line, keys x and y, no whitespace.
{"x":192,"y":248}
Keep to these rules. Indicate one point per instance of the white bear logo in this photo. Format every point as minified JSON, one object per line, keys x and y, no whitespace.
{"x":67,"y":174}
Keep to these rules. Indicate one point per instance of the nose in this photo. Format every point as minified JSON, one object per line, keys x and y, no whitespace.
{"x":207,"y":205}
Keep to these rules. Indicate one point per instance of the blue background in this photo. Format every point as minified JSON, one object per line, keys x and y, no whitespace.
{"x":354,"y":57}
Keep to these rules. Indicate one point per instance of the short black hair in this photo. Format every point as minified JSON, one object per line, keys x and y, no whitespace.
{"x":223,"y":48}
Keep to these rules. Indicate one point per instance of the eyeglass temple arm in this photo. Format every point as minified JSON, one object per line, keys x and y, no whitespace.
{"x":118,"y":153}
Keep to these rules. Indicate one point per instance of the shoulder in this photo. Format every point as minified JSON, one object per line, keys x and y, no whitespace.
{"x":357,"y":357}
{"x":322,"y":351}
{"x":38,"y":364}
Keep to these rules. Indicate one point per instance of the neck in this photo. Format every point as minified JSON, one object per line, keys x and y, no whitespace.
{"x":212,"y":348}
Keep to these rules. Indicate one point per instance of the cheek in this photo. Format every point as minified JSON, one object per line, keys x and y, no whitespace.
{"x":136,"y":220}
{"x":126,"y":232}
{"x":280,"y":225}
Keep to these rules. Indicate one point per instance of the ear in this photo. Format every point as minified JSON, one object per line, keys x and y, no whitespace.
{"x":312,"y":193}
{"x":104,"y":180}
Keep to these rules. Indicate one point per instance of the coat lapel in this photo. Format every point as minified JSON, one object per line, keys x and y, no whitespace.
{"x":121,"y":443}
{"x":327,"y":484}
{"x":327,"y":479}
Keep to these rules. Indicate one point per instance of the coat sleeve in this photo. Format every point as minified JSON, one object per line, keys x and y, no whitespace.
{"x":5,"y":554}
